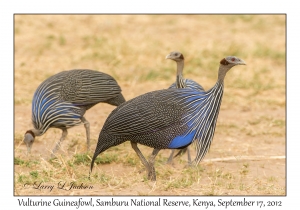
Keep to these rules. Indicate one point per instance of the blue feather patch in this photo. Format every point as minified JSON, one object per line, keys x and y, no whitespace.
{"x":46,"y":103}
{"x":181,"y":141}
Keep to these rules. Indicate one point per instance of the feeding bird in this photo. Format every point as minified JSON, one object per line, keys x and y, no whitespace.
{"x":166,"y":119}
{"x":181,"y":82}
{"x":62,"y":100}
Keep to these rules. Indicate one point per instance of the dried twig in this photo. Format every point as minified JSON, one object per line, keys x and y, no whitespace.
{"x":235,"y":158}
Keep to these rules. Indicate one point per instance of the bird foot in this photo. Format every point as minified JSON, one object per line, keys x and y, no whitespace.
{"x":52,"y":156}
{"x":189,"y":165}
{"x":170,"y":162}
{"x":151,"y":176}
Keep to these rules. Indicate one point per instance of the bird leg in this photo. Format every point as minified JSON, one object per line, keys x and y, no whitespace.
{"x":63,"y":136}
{"x":87,"y":129}
{"x":151,"y":173}
{"x":170,"y":159}
{"x":189,"y":156}
{"x":189,"y":164}
{"x":181,"y":152}
{"x":141,"y":156}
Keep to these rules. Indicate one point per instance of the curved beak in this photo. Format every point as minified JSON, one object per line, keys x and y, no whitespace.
{"x":168,"y":56}
{"x":241,"y":62}
{"x":28,"y":140}
{"x":28,"y":148}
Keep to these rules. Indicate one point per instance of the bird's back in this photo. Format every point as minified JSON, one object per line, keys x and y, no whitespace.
{"x":88,"y":86}
{"x":190,"y":84}
{"x":62,"y":99}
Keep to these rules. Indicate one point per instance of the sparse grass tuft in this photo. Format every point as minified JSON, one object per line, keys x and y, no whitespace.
{"x":73,"y":143}
{"x":131,"y":160}
{"x":19,"y":101}
{"x":62,"y":40}
{"x":102,"y":178}
{"x":106,"y":158}
{"x":82,"y":159}
{"x":27,"y":163}
{"x":34,"y":174}
{"x":272,"y":179}
{"x":244,"y":170}
{"x":19,"y":138}
{"x":18,"y":161}
{"x":179,"y":183}
{"x":22,"y":179}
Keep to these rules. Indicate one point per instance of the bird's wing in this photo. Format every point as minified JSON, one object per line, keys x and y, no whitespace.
{"x":190,"y":84}
{"x":88,"y":87}
{"x":148,"y":113}
{"x":194,"y":85}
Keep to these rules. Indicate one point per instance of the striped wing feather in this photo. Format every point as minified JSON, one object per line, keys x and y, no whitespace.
{"x":62,"y":99}
{"x":191,"y":84}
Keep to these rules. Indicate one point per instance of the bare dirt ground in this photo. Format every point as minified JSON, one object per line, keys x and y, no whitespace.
{"x":247,"y":156}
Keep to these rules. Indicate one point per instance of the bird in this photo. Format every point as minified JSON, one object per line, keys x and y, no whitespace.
{"x":166,"y":119}
{"x":181,"y":82}
{"x":61,"y":101}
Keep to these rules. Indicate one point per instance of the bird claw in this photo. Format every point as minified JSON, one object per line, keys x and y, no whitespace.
{"x":53,"y":155}
{"x":170,"y":163}
{"x":189,"y":165}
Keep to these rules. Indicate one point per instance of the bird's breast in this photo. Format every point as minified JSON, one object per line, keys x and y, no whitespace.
{"x":182,"y":140}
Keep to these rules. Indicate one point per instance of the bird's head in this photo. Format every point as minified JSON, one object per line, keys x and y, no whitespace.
{"x":175,"y":56}
{"x":231,"y":61}
{"x":227,"y":63}
{"x":29,"y":139}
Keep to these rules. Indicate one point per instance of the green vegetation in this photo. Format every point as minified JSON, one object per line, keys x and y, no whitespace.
{"x":106,"y":158}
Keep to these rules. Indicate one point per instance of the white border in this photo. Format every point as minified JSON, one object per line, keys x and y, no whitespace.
{"x":8,"y":8}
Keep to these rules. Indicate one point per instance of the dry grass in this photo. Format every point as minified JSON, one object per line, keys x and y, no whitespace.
{"x":132,"y":48}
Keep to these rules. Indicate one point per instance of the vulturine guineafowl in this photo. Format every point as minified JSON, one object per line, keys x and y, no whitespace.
{"x":181,"y":82}
{"x":166,"y":119}
{"x":62,"y":100}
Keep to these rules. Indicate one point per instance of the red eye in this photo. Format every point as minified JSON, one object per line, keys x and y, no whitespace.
{"x":232,"y":59}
